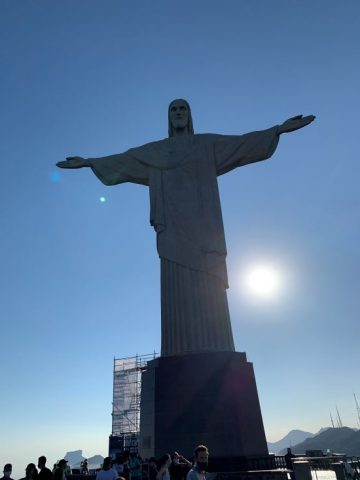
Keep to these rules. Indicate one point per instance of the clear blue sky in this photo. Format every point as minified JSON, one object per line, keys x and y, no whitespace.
{"x":79,"y":279}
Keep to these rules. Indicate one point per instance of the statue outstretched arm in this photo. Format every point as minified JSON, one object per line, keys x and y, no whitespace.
{"x":232,"y":151}
{"x":113,"y":169}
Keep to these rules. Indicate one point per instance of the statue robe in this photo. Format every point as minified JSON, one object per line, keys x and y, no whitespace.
{"x":181,"y":173}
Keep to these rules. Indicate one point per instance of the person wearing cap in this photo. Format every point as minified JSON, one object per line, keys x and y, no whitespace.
{"x":45,"y":473}
{"x":107,"y":472}
{"x":7,"y":472}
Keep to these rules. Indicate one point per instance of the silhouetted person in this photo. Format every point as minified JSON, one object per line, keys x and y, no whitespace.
{"x":288,"y":459}
{"x":59,"y":473}
{"x":135,"y":466}
{"x":152,"y":468}
{"x":201,"y":457}
{"x":45,"y":473}
{"x":84,"y":467}
{"x":7,"y":472}
{"x":164,"y":465}
{"x":31,"y":472}
{"x":107,"y":472}
{"x":126,"y":471}
{"x":119,"y":464}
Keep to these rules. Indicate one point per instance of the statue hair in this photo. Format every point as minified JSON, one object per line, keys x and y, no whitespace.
{"x":190,"y":127}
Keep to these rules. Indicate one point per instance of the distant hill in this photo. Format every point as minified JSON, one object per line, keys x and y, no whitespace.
{"x":96,"y":459}
{"x":76,"y":457}
{"x":338,"y":440}
{"x":292,"y":438}
{"x":93,"y":462}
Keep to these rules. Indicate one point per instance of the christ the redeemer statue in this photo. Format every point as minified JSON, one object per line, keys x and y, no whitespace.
{"x":181,"y":173}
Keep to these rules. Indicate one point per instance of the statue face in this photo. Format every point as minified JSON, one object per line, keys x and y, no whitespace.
{"x":179,"y":114}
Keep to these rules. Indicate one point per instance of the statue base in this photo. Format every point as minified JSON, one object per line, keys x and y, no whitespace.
{"x":201,"y":398}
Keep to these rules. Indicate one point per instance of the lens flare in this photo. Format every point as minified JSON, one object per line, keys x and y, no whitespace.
{"x":55,"y":176}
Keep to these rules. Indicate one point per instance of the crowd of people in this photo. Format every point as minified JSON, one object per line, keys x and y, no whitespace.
{"x":126,"y":466}
{"x":130,"y":466}
{"x":60,"y":471}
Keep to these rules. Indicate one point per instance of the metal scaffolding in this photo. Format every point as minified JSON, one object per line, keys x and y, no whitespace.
{"x":127,"y":394}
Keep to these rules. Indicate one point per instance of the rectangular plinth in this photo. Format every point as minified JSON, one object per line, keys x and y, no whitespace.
{"x":208,"y":398}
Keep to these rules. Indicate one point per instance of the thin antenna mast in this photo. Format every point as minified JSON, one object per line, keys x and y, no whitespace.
{"x":332,"y":421}
{"x":339,"y":422}
{"x":357,"y":409}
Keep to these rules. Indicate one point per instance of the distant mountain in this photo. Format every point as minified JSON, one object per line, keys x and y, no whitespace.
{"x":95,"y":462}
{"x":96,"y":459}
{"x":338,"y":440}
{"x":292,"y":438}
{"x":76,"y":457}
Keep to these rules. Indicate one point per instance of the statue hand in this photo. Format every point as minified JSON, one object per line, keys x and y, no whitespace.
{"x":294,"y":123}
{"x":73,"y":162}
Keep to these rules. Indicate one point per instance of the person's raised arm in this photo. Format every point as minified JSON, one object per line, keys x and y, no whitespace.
{"x":185,"y":461}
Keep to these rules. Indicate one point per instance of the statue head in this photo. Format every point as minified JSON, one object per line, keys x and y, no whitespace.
{"x":179,"y":117}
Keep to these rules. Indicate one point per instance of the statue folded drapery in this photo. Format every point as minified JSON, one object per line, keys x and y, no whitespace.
{"x":181,"y":173}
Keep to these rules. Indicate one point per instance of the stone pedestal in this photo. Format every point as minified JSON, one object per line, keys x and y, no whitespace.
{"x":208,"y":398}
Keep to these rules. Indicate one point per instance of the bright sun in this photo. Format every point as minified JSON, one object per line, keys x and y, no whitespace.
{"x":263,"y":281}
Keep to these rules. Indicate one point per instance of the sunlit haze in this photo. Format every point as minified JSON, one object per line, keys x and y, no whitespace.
{"x":263,"y":281}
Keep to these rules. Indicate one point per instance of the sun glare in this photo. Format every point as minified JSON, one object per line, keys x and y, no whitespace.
{"x":263,"y":281}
